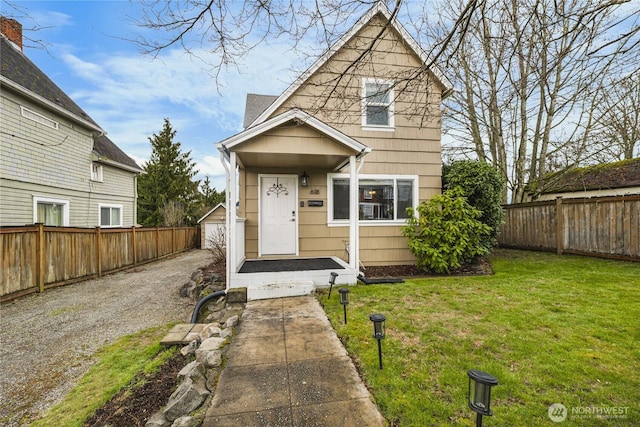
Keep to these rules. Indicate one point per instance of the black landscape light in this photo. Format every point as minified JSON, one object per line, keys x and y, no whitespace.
{"x":480,"y":397}
{"x":332,"y":281}
{"x":378,"y":332}
{"x":344,"y":300}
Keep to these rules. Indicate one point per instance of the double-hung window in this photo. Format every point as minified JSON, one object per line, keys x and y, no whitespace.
{"x":110,"y":215}
{"x":377,"y":104}
{"x":381,"y":198}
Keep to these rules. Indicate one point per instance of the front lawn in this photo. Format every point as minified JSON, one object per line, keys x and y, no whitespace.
{"x":551,"y":329}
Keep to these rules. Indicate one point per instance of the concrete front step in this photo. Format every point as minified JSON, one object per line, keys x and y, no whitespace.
{"x":280,"y":290}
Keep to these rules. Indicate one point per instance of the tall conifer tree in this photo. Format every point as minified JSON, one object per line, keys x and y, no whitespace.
{"x":168,"y":181}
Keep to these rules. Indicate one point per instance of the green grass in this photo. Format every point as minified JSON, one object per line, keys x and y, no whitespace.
{"x":116,"y":367}
{"x":552,"y":329}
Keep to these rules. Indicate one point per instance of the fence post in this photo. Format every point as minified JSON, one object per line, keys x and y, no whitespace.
{"x":98,"y":255}
{"x":133,"y":245}
{"x":559,"y":227}
{"x":157,"y":243}
{"x":40,"y":256}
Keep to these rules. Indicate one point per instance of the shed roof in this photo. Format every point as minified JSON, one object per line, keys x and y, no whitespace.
{"x":625,"y":173}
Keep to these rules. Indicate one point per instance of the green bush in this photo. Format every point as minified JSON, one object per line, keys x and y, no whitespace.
{"x":482,"y":185}
{"x":446,"y":232}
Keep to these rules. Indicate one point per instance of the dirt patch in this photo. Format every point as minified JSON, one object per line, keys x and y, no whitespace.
{"x":134,"y":405}
{"x":480,"y":266}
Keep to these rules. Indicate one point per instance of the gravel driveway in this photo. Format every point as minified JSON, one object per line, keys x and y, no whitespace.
{"x":47,"y":341}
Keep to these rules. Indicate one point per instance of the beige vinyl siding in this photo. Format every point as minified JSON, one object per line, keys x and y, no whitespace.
{"x":412,"y":147}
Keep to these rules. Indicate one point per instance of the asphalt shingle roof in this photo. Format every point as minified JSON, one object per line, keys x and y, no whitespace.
{"x":625,"y":173}
{"x":16,"y":67}
{"x":255,"y":105}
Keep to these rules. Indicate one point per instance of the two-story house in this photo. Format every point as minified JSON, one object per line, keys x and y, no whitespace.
{"x":57,"y":166}
{"x":323,"y":173}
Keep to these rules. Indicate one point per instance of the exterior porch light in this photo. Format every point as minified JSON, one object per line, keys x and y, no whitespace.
{"x":304,"y":179}
{"x":344,"y":300}
{"x":479,"y":399}
{"x":378,"y":332}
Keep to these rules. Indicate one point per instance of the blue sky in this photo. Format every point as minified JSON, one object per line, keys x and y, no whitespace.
{"x":129,"y":94}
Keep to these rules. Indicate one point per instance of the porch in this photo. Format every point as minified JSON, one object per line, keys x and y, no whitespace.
{"x":276,"y":278}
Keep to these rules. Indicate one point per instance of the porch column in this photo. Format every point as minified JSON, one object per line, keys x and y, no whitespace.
{"x":354,"y":232}
{"x":231,"y":217}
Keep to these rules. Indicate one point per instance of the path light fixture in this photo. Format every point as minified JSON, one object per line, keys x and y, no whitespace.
{"x":378,"y":332}
{"x":344,"y":300}
{"x":479,"y":394}
{"x":304,"y":179}
{"x":332,"y":281}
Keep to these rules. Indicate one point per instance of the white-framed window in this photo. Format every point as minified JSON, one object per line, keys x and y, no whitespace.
{"x":377,"y":104}
{"x":382,"y":199}
{"x":110,"y":215}
{"x":50,"y":211}
{"x":96,"y":172}
{"x":37,"y":117}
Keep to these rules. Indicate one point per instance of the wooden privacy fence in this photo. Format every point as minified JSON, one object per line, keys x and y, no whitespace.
{"x":606,"y":227}
{"x":37,"y":257}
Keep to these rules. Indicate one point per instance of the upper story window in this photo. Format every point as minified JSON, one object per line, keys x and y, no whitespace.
{"x":381,"y":198}
{"x":110,"y":215}
{"x":96,"y":172}
{"x":377,"y":104}
{"x":37,"y":117}
{"x":50,"y":211}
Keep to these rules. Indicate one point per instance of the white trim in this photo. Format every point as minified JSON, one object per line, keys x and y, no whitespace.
{"x":29,"y":114}
{"x":377,"y":223}
{"x":365,"y":102}
{"x":379,"y":7}
{"x":97,"y":172}
{"x":110,"y":206}
{"x":50,"y":200}
{"x":43,"y":101}
{"x":293,"y":114}
{"x":212,"y":210}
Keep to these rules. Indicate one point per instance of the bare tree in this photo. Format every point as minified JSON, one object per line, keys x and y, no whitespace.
{"x":527,"y":80}
{"x":617,"y":123}
{"x":173,"y":214}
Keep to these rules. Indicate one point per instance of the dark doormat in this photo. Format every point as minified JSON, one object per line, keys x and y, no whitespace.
{"x":275,"y":265}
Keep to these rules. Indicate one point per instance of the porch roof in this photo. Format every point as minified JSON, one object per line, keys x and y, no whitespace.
{"x":283,"y":154}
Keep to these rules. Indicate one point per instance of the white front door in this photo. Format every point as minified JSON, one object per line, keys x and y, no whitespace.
{"x":278,"y":214}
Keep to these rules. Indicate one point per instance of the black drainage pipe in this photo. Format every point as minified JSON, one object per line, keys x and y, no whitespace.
{"x":196,"y":311}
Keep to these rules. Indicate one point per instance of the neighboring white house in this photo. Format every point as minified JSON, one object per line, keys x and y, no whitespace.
{"x":57,"y":166}
{"x":608,"y":179}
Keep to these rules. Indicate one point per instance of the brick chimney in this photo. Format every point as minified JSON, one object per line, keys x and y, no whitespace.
{"x":12,"y":30}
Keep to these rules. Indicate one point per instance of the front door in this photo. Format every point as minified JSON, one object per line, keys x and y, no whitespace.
{"x":278,"y":215}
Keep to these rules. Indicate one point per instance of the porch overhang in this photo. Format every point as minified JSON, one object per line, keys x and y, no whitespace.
{"x":293,"y":140}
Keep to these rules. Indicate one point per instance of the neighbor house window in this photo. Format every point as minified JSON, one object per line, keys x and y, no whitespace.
{"x":37,"y":117}
{"x":96,"y":172}
{"x":50,"y":211}
{"x":110,"y":215}
{"x":381,"y":198}
{"x":377,"y":104}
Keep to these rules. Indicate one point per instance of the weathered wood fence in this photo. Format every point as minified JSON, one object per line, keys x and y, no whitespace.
{"x":37,"y":257}
{"x":606,"y":227}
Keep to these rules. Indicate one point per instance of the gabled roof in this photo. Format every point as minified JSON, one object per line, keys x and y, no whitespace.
{"x":379,"y":8}
{"x":108,"y":152}
{"x":625,"y":173}
{"x":299,"y":116}
{"x":219,"y":205}
{"x":18,"y":72}
{"x":255,"y":105}
{"x":29,"y":79}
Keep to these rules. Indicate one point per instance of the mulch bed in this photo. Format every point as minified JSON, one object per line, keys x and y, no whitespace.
{"x":133,"y":406}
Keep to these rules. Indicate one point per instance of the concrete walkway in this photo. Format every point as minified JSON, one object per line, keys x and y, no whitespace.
{"x":287,"y":367}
